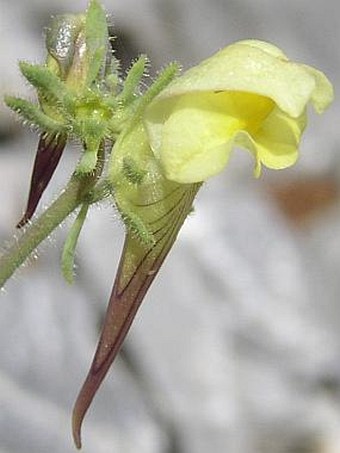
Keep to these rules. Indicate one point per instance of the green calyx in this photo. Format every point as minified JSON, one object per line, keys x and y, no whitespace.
{"x":83,"y":96}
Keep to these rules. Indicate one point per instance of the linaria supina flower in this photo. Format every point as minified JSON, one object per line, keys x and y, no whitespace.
{"x":247,"y":95}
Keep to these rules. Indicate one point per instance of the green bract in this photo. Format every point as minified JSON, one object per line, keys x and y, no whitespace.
{"x":248,"y":94}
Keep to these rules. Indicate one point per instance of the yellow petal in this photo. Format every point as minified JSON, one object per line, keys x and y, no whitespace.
{"x":266,"y":47}
{"x":255,"y":67}
{"x":323,"y":94}
{"x":248,"y":93}
{"x":196,"y":138}
{"x":276,"y":143}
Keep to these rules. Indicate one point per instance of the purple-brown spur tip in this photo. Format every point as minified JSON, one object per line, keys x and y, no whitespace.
{"x":138,"y":267}
{"x":50,"y":149}
{"x":126,"y":297}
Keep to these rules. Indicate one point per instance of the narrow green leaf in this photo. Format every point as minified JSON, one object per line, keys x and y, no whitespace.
{"x":132,"y":80}
{"x":67,"y":259}
{"x":97,"y":39}
{"x":112,"y":72}
{"x":33,"y":115}
{"x":42,"y":78}
{"x":162,"y":81}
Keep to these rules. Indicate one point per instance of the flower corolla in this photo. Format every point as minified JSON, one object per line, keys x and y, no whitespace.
{"x":248,"y":95}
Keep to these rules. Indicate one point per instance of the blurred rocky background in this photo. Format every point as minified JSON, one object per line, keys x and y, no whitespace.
{"x":236,"y":348}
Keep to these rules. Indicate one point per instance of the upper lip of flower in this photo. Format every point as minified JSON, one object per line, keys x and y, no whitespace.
{"x":249,"y":66}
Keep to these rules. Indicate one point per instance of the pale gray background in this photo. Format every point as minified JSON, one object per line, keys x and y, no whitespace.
{"x":237,"y":346}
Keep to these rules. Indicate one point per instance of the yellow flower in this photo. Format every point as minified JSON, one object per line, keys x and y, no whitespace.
{"x":249,"y":95}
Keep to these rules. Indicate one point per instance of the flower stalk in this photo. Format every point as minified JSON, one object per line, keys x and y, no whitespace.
{"x":29,"y":239}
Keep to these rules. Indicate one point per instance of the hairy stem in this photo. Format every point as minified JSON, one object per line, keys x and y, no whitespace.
{"x":22,"y":247}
